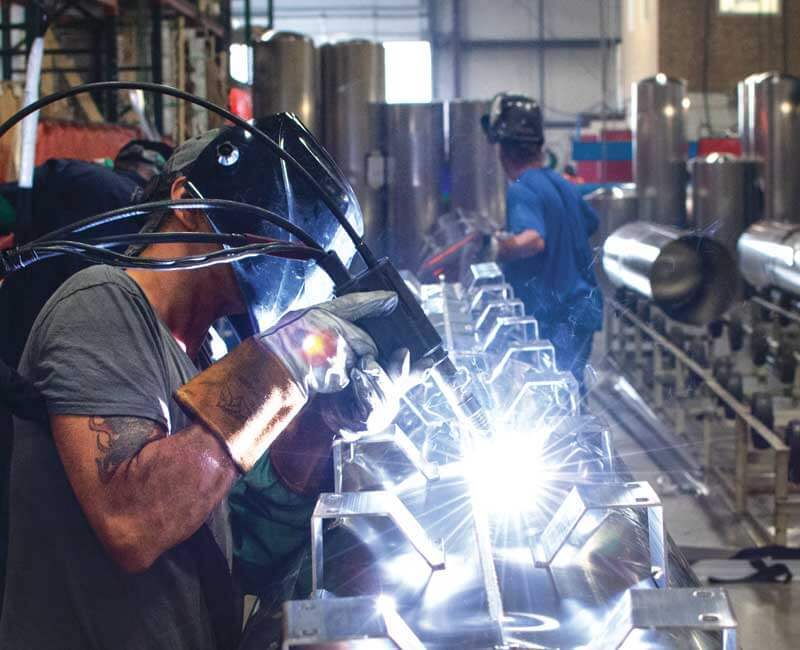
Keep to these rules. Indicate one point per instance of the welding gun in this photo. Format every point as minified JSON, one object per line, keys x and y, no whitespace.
{"x":409,"y":327}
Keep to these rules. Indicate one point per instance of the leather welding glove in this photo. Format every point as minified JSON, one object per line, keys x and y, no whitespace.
{"x":371,"y":401}
{"x":250,"y":397}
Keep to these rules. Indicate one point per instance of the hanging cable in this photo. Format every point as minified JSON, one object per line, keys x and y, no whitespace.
{"x":360,"y":244}
{"x":146,"y":209}
{"x":17,"y":259}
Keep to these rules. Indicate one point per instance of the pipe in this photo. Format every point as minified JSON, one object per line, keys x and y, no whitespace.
{"x":28,"y":148}
{"x":769,"y":256}
{"x":660,"y":149}
{"x":691,"y":278}
{"x":769,"y":127}
{"x":27,"y":162}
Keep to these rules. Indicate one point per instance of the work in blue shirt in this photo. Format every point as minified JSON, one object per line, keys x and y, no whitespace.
{"x":558,"y":285}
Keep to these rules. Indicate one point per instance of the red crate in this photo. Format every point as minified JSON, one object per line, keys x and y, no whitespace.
{"x":81,"y":141}
{"x":706,"y":146}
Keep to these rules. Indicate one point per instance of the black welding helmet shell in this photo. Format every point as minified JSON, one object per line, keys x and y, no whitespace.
{"x":238,"y":166}
{"x":513,"y":118}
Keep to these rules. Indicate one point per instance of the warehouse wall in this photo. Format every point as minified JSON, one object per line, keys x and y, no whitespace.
{"x":331,"y":20}
{"x":737,"y":45}
{"x":471,"y":67}
{"x":573,"y":75}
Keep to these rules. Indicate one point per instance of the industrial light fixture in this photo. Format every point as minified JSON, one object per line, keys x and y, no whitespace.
{"x":748,"y":7}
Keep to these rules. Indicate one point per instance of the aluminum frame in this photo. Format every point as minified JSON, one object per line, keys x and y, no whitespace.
{"x":584,"y":498}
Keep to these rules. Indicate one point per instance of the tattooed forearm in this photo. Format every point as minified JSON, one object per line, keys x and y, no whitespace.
{"x":119,"y":439}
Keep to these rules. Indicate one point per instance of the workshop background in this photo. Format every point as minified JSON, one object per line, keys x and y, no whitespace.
{"x":677,"y":120}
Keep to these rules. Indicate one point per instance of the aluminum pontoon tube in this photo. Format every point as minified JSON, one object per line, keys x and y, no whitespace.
{"x":769,"y":127}
{"x":660,"y":149}
{"x":769,"y":256}
{"x":690,"y":277}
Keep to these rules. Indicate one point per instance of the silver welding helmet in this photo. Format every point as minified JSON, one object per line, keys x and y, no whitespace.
{"x":230,"y":163}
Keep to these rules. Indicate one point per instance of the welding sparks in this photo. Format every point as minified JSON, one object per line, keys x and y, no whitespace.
{"x":508,"y":473}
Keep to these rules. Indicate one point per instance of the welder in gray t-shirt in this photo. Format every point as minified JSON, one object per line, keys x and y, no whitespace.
{"x":98,"y":348}
{"x":118,"y":534}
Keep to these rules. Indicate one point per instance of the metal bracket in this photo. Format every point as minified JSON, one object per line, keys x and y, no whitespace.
{"x":495,"y":310}
{"x":329,"y":622}
{"x":517,"y":329}
{"x":346,"y":452}
{"x":560,"y":388}
{"x":368,"y":504}
{"x":482,"y":274}
{"x":489,"y":293}
{"x":609,"y":496}
{"x":535,"y":354}
{"x":675,"y":609}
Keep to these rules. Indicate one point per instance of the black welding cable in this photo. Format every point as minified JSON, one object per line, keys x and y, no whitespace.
{"x":146,"y":209}
{"x":99,"y":255}
{"x":358,"y":241}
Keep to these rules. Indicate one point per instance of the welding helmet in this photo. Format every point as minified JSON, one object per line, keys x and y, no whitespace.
{"x":513,"y":118}
{"x":231,"y":163}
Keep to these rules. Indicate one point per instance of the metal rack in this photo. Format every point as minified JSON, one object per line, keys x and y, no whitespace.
{"x":101,"y":17}
{"x":756,"y":471}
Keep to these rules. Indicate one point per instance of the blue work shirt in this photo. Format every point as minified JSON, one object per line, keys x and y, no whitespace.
{"x":558,"y":285}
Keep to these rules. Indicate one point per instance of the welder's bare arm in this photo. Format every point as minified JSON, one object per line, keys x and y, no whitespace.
{"x":515,"y":247}
{"x":142,"y":492}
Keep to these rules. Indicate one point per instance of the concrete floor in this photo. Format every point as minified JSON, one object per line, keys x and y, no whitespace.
{"x":705,"y":527}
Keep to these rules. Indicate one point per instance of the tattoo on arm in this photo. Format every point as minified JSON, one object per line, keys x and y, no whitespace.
{"x":119,"y":439}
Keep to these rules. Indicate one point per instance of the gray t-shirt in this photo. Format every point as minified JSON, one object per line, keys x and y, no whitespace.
{"x":98,"y":348}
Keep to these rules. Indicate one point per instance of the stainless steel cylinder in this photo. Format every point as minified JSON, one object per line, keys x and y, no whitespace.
{"x":660,"y":149}
{"x":744,"y":94}
{"x":769,"y":123}
{"x":691,"y":278}
{"x":769,"y":256}
{"x":478,"y":180}
{"x":414,"y":147}
{"x":724,"y":201}
{"x":615,"y":206}
{"x":286,"y":77}
{"x":353,"y":83}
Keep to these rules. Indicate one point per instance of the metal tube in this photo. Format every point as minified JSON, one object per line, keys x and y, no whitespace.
{"x":156,"y":63}
{"x":27,"y":144}
{"x":689,"y":277}
{"x":660,"y":149}
{"x":615,"y":206}
{"x":769,"y":256}
{"x":724,"y":199}
{"x":30,"y":124}
{"x":414,"y":146}
{"x":769,"y":126}
{"x":478,"y":180}
{"x":286,"y":77}
{"x":353,"y":85}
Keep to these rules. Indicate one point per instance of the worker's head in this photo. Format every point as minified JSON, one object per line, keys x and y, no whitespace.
{"x":145,"y":158}
{"x":229,"y":163}
{"x":515,"y":123}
